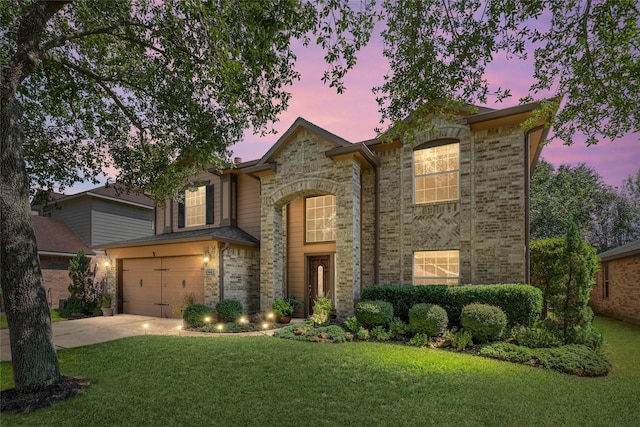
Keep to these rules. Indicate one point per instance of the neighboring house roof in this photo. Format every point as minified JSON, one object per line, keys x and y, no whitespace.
{"x":54,"y":237}
{"x":630,"y":249}
{"x":222,"y":234}
{"x":113,"y":192}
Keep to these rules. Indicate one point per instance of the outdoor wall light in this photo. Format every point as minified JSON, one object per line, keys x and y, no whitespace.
{"x":207,"y":257}
{"x":107,"y":263}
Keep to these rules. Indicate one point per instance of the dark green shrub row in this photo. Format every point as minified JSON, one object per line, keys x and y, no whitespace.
{"x":228,"y":310}
{"x":569,"y":359}
{"x":485,"y":322}
{"x":194,"y":315}
{"x":521,"y":303}
{"x":374,"y":313}
{"x":428,"y":319}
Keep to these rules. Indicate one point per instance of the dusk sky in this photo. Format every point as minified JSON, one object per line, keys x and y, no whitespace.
{"x":354,"y":114}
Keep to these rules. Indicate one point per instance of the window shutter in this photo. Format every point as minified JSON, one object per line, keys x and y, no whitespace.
{"x":181,"y":215}
{"x":209,"y":196}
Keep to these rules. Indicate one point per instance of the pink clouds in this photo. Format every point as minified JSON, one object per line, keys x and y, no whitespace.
{"x":354,"y":114}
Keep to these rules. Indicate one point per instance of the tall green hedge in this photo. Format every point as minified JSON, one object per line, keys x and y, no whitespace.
{"x":521,"y":303}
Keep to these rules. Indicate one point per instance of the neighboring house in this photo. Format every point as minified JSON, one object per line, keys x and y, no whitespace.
{"x":101,"y":215}
{"x":318,"y":215}
{"x":57,"y":244}
{"x":617,"y":290}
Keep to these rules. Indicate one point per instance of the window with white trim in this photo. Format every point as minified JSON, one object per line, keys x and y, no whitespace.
{"x":435,"y":171}
{"x":436,"y":267}
{"x":195,"y":203}
{"x":320,"y":223}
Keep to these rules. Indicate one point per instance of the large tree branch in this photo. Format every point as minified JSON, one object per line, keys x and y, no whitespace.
{"x":32,"y":24}
{"x":100,"y":81}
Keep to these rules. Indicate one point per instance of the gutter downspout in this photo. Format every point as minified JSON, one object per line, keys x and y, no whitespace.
{"x":527,"y":203}
{"x":376,"y":245}
{"x":221,"y":269}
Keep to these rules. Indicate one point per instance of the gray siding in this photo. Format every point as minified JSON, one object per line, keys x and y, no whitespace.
{"x":77,"y":214}
{"x":114,"y":222}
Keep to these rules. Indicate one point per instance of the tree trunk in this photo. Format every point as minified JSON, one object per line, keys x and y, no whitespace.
{"x":35,"y":363}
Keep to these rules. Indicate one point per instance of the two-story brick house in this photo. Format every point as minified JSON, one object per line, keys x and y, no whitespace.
{"x":319,"y":215}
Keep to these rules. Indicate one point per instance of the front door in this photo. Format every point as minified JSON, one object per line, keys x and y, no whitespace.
{"x":319,"y":279}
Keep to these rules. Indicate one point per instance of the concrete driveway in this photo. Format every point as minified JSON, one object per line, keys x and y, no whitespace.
{"x":81,"y":332}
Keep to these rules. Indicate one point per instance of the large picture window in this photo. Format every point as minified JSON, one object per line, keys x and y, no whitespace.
{"x":321,"y":219}
{"x":435,"y":171}
{"x":436,"y":267}
{"x":195,"y":202}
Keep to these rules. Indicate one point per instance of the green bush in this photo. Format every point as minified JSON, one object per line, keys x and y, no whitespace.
{"x":485,"y":322}
{"x":194,"y":315}
{"x":228,"y":310}
{"x":398,"y":329}
{"x":428,"y":319}
{"x":363,"y":333}
{"x":573,"y":359}
{"x":374,"y":313}
{"x":521,"y":303}
{"x":333,"y":333}
{"x":420,"y":340}
{"x":352,"y":324}
{"x":535,"y":337}
{"x":507,"y":351}
{"x":380,"y":334}
{"x":461,"y":340}
{"x":569,"y":359}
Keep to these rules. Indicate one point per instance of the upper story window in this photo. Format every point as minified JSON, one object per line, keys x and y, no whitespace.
{"x":195,"y":203}
{"x":321,"y":219}
{"x":435,"y":173}
{"x":436,"y":267}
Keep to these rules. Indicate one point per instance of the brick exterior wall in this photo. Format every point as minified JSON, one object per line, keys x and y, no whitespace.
{"x":55,"y":275}
{"x":623,"y":302}
{"x":486,"y":224}
{"x":242,"y":277}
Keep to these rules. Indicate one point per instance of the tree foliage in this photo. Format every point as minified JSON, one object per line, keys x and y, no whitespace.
{"x":607,"y":217}
{"x":155,"y":89}
{"x":584,"y":51}
{"x":569,"y":294}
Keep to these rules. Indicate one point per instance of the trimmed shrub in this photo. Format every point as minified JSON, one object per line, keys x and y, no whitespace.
{"x":507,"y":351}
{"x":363,"y":334}
{"x":420,"y":340}
{"x":228,"y":310}
{"x":374,"y":313}
{"x":194,"y":315}
{"x":521,"y":303}
{"x":428,"y":319}
{"x":485,"y":322}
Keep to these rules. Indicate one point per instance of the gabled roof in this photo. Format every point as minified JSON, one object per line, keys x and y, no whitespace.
{"x":54,"y":237}
{"x":630,"y":249}
{"x":300,"y":123}
{"x":114,"y":192}
{"x":227,"y":234}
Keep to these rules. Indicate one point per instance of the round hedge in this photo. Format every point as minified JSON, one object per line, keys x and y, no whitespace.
{"x":485,"y":322}
{"x":428,"y":319}
{"x":194,"y":315}
{"x":228,"y":310}
{"x":374,"y":313}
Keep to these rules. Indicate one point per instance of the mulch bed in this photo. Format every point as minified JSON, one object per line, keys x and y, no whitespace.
{"x":15,"y":402}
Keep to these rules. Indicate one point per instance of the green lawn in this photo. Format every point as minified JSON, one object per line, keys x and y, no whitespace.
{"x":55,"y":317}
{"x":265,"y":381}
